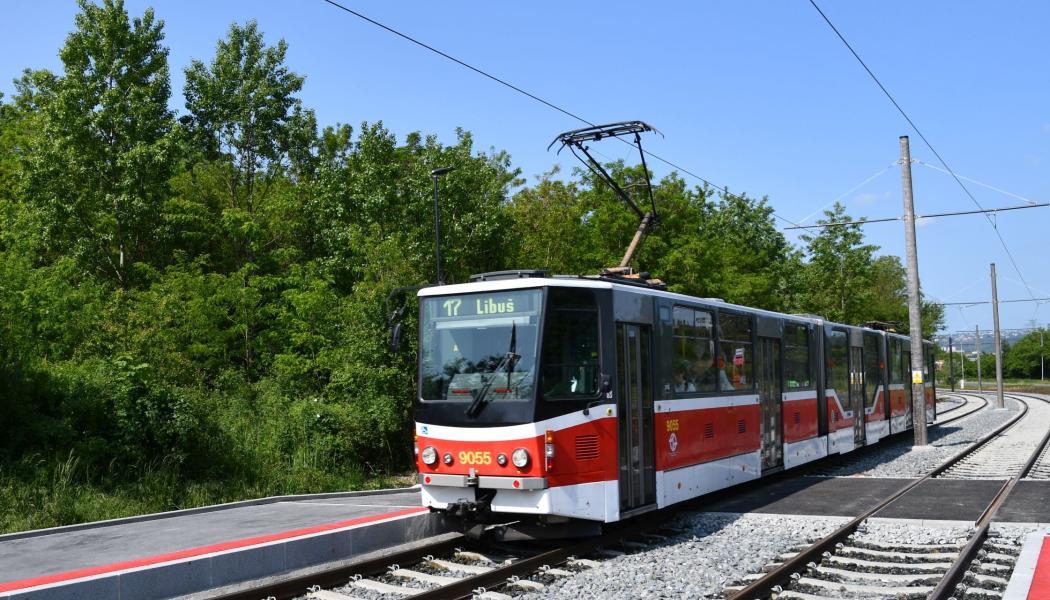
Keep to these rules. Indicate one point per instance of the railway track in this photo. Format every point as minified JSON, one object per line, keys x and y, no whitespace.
{"x":1008,"y":452}
{"x":859,"y":460}
{"x":857,"y":562}
{"x":460,"y":568}
{"x":971,"y":404}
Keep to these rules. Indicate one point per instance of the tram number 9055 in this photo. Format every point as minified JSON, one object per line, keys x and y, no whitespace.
{"x":475,"y":458}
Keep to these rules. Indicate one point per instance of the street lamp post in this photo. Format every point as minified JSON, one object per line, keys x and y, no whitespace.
{"x":436,"y":173}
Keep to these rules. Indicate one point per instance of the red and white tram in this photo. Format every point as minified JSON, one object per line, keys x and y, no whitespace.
{"x":598,"y":398}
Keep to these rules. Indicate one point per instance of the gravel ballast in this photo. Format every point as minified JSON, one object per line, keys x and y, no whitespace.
{"x":716,"y":548}
{"x":898,"y":459}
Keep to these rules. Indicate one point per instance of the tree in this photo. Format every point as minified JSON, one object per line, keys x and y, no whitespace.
{"x":889,"y":298}
{"x":727,"y":247}
{"x":838,"y":273}
{"x":1023,"y":358}
{"x":99,"y":173}
{"x":249,"y":125}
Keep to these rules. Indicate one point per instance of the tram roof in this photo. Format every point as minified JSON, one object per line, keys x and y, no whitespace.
{"x":575,"y":281}
{"x":597,"y":283}
{"x":521,"y":283}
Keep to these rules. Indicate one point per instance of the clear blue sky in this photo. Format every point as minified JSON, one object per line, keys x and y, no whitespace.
{"x":758,"y":96}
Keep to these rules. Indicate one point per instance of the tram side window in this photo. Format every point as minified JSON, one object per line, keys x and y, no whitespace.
{"x":896,"y":374}
{"x":735,"y":356}
{"x":838,"y":363}
{"x":570,"y":346}
{"x":798,"y":369}
{"x":694,"y":348}
{"x":872,"y":372}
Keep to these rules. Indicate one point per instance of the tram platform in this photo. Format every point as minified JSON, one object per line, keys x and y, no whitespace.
{"x":185,"y":552}
{"x":1031,"y":577}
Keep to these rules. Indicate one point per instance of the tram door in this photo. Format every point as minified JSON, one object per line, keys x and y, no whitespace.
{"x":635,"y":411}
{"x":856,"y":393}
{"x":770,"y":394}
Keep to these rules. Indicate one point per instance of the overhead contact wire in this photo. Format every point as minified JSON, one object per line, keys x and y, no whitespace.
{"x":546,"y":103}
{"x":991,"y":222}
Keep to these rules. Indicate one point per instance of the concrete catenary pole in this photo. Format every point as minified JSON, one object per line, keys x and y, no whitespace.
{"x":1000,"y":402}
{"x":951,"y":363}
{"x":918,"y":392}
{"x":977,"y":347}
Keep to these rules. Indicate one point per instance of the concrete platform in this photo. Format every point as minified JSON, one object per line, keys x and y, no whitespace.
{"x":1031,"y":577}
{"x":944,"y":499}
{"x":832,"y":496}
{"x":183,"y":552}
{"x":1029,"y":502}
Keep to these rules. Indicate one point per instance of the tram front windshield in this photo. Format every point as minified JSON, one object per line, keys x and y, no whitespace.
{"x":480,"y":346}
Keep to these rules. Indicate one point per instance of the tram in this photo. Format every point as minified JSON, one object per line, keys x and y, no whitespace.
{"x":598,"y":398}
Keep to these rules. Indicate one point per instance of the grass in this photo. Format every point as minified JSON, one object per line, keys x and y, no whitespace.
{"x":37,"y":492}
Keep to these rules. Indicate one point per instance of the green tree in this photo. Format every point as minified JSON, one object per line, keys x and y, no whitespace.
{"x":889,"y":298}
{"x":838,"y":273}
{"x":548,"y":221}
{"x":99,"y":172}
{"x":250,"y":126}
{"x":727,"y":247}
{"x":1023,"y":358}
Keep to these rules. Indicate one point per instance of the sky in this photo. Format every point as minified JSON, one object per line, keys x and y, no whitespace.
{"x":761,"y":97}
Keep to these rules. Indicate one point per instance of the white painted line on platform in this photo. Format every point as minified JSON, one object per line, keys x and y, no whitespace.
{"x":307,"y":503}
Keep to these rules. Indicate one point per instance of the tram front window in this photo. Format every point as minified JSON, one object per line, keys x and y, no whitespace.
{"x":480,"y":348}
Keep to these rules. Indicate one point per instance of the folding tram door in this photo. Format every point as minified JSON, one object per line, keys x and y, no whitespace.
{"x":635,"y":411}
{"x":770,"y":396}
{"x":856,"y":393}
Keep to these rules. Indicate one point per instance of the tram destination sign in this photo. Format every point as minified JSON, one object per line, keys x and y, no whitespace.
{"x":500,"y":304}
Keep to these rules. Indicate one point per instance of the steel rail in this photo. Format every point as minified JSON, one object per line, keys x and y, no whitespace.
{"x":298,"y":585}
{"x":946,"y":588}
{"x":773,"y":581}
{"x":984,"y":401}
{"x":961,"y":395}
{"x":954,"y":407}
{"x":466,"y":587}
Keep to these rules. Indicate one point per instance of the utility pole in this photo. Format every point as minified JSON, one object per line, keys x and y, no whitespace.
{"x":1041,"y":361}
{"x":951,"y":363}
{"x":918,"y":391}
{"x":977,"y":345}
{"x":437,"y":224}
{"x":1000,"y":402}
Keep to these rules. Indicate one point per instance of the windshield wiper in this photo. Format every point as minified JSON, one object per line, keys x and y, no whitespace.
{"x":507,"y":362}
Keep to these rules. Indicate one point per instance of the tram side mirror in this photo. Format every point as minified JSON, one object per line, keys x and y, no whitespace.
{"x":604,"y":392}
{"x":395,"y":337}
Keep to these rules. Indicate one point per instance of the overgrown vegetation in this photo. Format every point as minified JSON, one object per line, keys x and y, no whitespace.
{"x":192,"y":302}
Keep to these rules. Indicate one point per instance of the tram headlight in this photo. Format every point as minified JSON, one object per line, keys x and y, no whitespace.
{"x":448,"y":458}
{"x":520,"y":458}
{"x":501,"y":459}
{"x":429,"y":455}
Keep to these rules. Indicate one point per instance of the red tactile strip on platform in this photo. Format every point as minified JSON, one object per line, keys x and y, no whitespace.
{"x":202,"y":550}
{"x":1040,"y":588}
